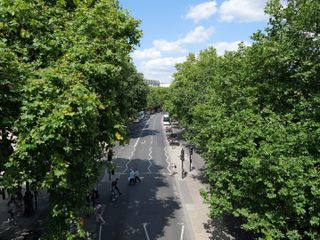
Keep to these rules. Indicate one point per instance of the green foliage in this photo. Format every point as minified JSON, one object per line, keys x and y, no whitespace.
{"x":9,"y":99}
{"x":254,"y":115}
{"x":136,"y":90}
{"x":157,"y":97}
{"x":68,"y":87}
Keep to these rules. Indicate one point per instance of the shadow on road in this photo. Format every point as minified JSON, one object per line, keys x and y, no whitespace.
{"x":146,"y":210}
{"x":227,"y":228}
{"x":135,"y":130}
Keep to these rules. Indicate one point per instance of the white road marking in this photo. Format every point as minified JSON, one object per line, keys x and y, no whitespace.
{"x":135,"y":147}
{"x":182,"y":231}
{"x":145,"y":230}
{"x":150,"y":157}
{"x":166,"y":153}
{"x":167,"y":159}
{"x":150,"y":149}
{"x":100,"y":229}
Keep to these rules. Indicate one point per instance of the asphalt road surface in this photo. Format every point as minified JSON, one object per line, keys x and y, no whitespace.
{"x":150,"y":209}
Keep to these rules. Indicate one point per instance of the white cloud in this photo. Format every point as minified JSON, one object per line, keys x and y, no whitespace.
{"x":202,"y":11}
{"x":242,"y":11}
{"x":160,"y":68}
{"x":166,"y":46}
{"x":146,"y":54}
{"x":198,"y":35}
{"x":221,"y":47}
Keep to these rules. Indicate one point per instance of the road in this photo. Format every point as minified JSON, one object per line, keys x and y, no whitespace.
{"x":152,"y":208}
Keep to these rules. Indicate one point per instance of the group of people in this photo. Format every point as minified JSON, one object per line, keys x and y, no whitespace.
{"x":99,"y":209}
{"x":19,"y":203}
{"x":134,"y":177}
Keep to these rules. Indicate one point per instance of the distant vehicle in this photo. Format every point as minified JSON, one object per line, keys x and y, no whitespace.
{"x":166,"y":120}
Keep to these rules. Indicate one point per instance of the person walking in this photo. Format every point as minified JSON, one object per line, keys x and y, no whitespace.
{"x":114,"y":186}
{"x":131,"y":177}
{"x":99,"y":209}
{"x":136,"y":176}
{"x":173,"y":169}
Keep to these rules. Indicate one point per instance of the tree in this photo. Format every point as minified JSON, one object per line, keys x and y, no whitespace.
{"x":74,"y":98}
{"x":257,"y":123}
{"x":134,"y":93}
{"x":157,"y":97}
{"x":10,"y":81}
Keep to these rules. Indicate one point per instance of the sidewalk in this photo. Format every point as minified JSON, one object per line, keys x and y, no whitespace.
{"x":197,"y":212}
{"x":35,"y":222}
{"x":189,"y":190}
{"x":10,"y":230}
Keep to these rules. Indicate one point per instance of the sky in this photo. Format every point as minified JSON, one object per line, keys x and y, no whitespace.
{"x":174,"y":28}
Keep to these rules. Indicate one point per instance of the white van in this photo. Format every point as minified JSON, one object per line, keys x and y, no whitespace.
{"x":166,"y":120}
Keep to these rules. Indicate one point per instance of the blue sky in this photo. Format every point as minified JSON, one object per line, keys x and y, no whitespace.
{"x":174,"y":28}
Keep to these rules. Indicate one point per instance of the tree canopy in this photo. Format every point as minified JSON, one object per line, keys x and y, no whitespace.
{"x":68,"y":87}
{"x":254,"y":115}
{"x":157,"y":97}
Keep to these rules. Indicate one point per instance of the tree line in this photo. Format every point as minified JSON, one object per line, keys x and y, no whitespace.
{"x":67,"y":88}
{"x":254,"y":114}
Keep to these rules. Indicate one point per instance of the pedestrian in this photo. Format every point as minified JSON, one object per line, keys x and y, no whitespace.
{"x":114,"y":186}
{"x":131,"y":177}
{"x":173,"y":169}
{"x":136,"y":176}
{"x":98,"y":212}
